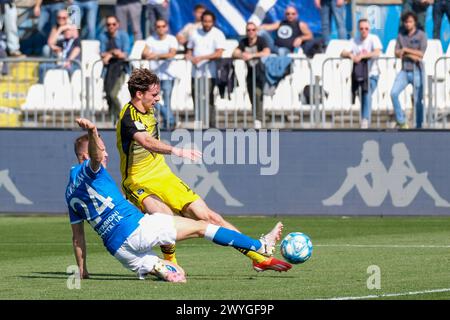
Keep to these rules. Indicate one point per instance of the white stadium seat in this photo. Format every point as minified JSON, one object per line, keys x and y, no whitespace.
{"x":230,"y":45}
{"x":136,"y":53}
{"x":58,"y":91}
{"x":90,"y":53}
{"x":35,"y":100}
{"x":335,"y":47}
{"x":390,"y":49}
{"x":77,"y":93}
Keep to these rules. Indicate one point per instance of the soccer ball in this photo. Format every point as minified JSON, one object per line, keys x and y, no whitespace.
{"x":296,"y":247}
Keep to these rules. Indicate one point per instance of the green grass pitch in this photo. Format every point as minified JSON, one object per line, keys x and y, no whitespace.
{"x":413,"y":255}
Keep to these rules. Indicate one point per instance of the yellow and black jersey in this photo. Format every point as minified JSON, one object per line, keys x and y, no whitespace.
{"x":134,"y":159}
{"x":143,"y":172}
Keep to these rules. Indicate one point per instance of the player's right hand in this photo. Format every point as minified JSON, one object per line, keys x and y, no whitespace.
{"x":85,"y":124}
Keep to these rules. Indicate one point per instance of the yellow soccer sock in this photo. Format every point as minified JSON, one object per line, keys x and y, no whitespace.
{"x":169,"y":253}
{"x":255,"y":256}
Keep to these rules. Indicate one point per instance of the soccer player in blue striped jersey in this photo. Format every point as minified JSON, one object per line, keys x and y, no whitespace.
{"x":127,"y":233}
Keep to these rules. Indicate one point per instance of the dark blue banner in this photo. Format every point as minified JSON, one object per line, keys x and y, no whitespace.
{"x":261,"y":173}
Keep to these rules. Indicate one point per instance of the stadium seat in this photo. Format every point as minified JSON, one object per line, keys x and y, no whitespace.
{"x":390,"y":49}
{"x":124,"y":94}
{"x":35,"y":100}
{"x":136,"y":54}
{"x":230,"y":45}
{"x":336,"y":46}
{"x":433,"y":52}
{"x":317,"y":62}
{"x":90,"y":53}
{"x":181,"y":93}
{"x":77,"y":93}
{"x":58,"y":91}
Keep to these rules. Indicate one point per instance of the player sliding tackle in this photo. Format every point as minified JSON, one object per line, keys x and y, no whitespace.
{"x":128,"y":234}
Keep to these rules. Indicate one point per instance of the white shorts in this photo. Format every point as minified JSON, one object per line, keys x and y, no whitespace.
{"x":136,"y":252}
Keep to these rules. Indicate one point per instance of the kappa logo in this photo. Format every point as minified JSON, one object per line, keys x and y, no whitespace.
{"x":401,"y":181}
{"x":5,"y":181}
{"x":140,"y":191}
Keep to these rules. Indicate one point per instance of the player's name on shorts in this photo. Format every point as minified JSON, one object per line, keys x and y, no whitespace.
{"x":231,"y":147}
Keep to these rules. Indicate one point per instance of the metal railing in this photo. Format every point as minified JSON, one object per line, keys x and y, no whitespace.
{"x":439,"y":93}
{"x":310,"y":95}
{"x":54,"y":102}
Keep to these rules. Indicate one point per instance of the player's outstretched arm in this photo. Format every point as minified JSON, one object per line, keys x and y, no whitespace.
{"x":154,"y":145}
{"x":96,"y":147}
{"x":79,"y":248}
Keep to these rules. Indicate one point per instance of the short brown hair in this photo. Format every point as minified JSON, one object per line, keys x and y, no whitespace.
{"x":363,"y":20}
{"x":408,"y":14}
{"x":140,"y":80}
{"x":78,"y":145}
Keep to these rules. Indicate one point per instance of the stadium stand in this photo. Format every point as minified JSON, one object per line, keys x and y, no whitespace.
{"x":314,"y":93}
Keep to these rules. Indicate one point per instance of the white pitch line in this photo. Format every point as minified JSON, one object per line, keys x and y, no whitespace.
{"x":411,"y":293}
{"x":344,"y":245}
{"x":383,"y":245}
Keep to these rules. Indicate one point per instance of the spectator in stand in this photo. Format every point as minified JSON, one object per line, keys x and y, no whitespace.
{"x":410,"y":47}
{"x":89,"y":10}
{"x":47,"y":11}
{"x":419,"y":7}
{"x":327,"y":8}
{"x":363,"y":51}
{"x":8,"y":20}
{"x":57,"y":34}
{"x":68,"y":48}
{"x":114,"y":48}
{"x":291,"y":34}
{"x":185,"y":34}
{"x":251,"y":49}
{"x":206,"y":45}
{"x":4,"y":69}
{"x":440,"y":8}
{"x":130,"y":11}
{"x":160,"y":48}
{"x":157,"y":9}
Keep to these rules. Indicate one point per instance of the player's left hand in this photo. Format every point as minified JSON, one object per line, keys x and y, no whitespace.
{"x":191,"y":154}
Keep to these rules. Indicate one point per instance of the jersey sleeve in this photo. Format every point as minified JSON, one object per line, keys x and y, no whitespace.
{"x":377,"y":43}
{"x":220,"y":40}
{"x":241,"y":45}
{"x":191,"y":42}
{"x":129,"y":126}
{"x":173,"y":43}
{"x":261,"y":44}
{"x":74,"y":218}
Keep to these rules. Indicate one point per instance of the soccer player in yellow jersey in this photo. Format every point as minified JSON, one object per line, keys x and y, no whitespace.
{"x":147,"y":180}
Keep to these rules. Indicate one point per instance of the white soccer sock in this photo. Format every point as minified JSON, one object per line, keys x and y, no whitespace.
{"x":211,"y":231}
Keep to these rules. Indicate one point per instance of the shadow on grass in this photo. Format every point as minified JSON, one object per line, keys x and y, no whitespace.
{"x":92,"y":276}
{"x":121,"y":277}
{"x":236,"y":277}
